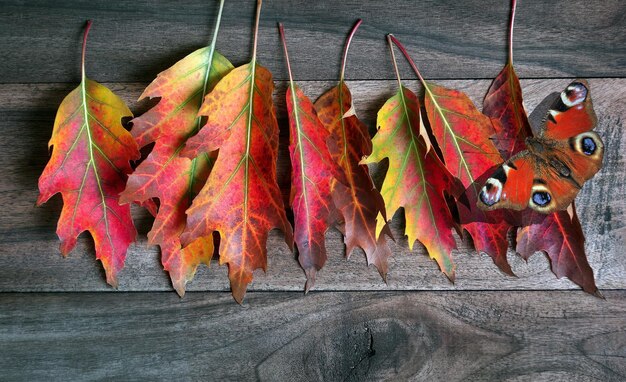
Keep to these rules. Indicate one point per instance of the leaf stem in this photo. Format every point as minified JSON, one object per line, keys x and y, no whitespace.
{"x":207,"y":74}
{"x":281,"y":30}
{"x":512,"y":21}
{"x":345,"y":50}
{"x":408,"y":58}
{"x":82,"y":60}
{"x":217,"y":27}
{"x":257,"y":19}
{"x":393,"y":59}
{"x":295,"y":120}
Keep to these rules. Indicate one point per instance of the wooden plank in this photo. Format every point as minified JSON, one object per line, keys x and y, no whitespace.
{"x":30,"y":260}
{"x":451,"y":336}
{"x":134,"y":40}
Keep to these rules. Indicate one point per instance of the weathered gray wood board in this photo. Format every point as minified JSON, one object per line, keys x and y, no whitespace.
{"x":134,"y":40}
{"x":487,"y":326}
{"x":30,"y":261}
{"x":354,"y":336}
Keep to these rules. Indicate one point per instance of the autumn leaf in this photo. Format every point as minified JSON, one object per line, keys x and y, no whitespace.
{"x":165,"y":174}
{"x":241,"y":199}
{"x":89,"y":166}
{"x":561,"y":238}
{"x":504,"y":102}
{"x":416,"y":178}
{"x":313,"y":171}
{"x":463,"y":133}
{"x":559,"y":235}
{"x":358,"y":201}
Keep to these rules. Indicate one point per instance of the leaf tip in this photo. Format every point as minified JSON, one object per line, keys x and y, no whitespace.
{"x":451,"y":276}
{"x":289,"y":240}
{"x":40,"y":200}
{"x":179,"y":287}
{"x":502,"y":264}
{"x":311,"y":273}
{"x":124,"y":197}
{"x":384,"y":277}
{"x":598,"y":294}
{"x":380,"y":261}
{"x":67,"y":245}
{"x":190,"y":150}
{"x":238,"y":290}
{"x":112,"y":280}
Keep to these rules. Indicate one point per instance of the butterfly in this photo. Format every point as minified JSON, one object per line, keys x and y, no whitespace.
{"x":547,"y":176}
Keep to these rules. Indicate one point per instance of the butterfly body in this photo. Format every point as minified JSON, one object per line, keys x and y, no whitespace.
{"x":548,"y":175}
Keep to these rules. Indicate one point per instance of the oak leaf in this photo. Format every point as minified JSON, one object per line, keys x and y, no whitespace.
{"x":416,"y":178}
{"x":241,"y":199}
{"x":462,"y":133}
{"x":313,"y":173}
{"x":358,"y":201}
{"x":91,"y":154}
{"x":504,"y":102}
{"x":559,"y":235}
{"x":166,"y":175}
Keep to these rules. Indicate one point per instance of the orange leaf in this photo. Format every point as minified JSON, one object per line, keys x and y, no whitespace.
{"x":165,"y":174}
{"x":88,"y":166}
{"x":241,"y":199}
{"x":359,"y":203}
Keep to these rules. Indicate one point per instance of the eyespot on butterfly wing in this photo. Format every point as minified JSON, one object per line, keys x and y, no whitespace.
{"x":548,"y":175}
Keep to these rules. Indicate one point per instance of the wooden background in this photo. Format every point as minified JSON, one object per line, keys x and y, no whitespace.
{"x":59,"y":320}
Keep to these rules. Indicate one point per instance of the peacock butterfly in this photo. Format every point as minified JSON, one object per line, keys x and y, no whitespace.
{"x":547,"y":176}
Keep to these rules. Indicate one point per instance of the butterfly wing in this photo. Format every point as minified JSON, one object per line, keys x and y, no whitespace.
{"x":548,"y":176}
{"x":510,"y":184}
{"x":581,"y":156}
{"x":572,"y":151}
{"x":527,"y":180}
{"x":570,"y":114}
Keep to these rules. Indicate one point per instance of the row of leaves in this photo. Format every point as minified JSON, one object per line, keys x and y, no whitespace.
{"x":212,"y":169}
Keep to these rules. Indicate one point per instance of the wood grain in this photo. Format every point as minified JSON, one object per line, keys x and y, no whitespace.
{"x":134,"y":40}
{"x":353,"y":336}
{"x":30,"y":260}
{"x":352,"y":326}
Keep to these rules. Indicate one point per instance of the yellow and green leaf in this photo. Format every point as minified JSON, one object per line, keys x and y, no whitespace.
{"x":416,"y":179}
{"x":463,"y":134}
